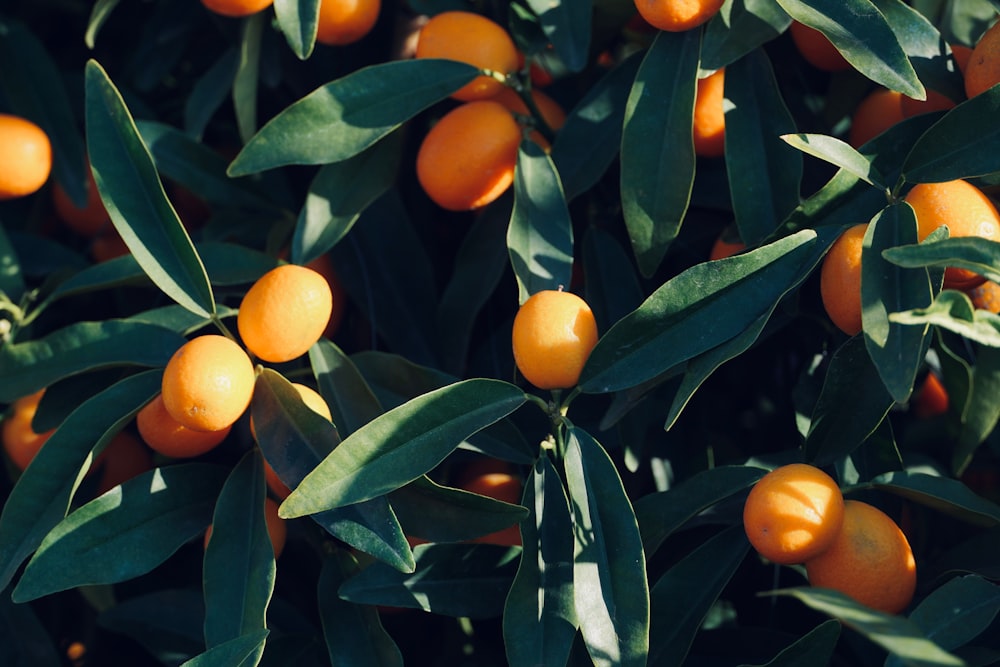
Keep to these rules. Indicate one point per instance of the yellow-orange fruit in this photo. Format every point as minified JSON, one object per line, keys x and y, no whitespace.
{"x":169,"y":437}
{"x":709,"y":129}
{"x":677,"y":15}
{"x":346,"y":21}
{"x":25,"y":157}
{"x":876,"y":113}
{"x":840,"y":280}
{"x":553,"y":335}
{"x":237,"y":8}
{"x":504,"y":487}
{"x":816,"y":48}
{"x":20,"y":440}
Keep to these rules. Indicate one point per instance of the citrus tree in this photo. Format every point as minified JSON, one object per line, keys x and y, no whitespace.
{"x":444,"y":332}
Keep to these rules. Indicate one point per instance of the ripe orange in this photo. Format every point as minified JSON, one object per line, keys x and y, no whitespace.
{"x":20,"y":441}
{"x":123,"y":458}
{"x":961,"y":54}
{"x":553,"y":334}
{"x":474,"y":39}
{"x":840,"y":280}
{"x":25,"y":157}
{"x":967,"y":212}
{"x":346,"y":21}
{"x":793,"y":513}
{"x":553,"y":114}
{"x":166,"y":435}
{"x":870,"y":560}
{"x":276,"y":528}
{"x":935,"y":102}
{"x":501,"y":486}
{"x":983,"y":69}
{"x":467,"y":159}
{"x":208,"y":383}
{"x":323,"y":265}
{"x":876,"y":113}
{"x":237,"y":8}
{"x":816,"y":48}
{"x":709,"y":130}
{"x":931,"y":400}
{"x":986,"y":296}
{"x":726,"y":246}
{"x":677,"y":15}
{"x":285,"y":312}
{"x":86,"y":221}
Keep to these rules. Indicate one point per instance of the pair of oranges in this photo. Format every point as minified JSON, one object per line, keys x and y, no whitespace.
{"x":797,"y":514}
{"x":339,"y":22}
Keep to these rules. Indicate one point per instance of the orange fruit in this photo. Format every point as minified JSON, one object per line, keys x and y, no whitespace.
{"x":982,"y":72}
{"x":840,"y":280}
{"x":20,"y":440}
{"x":677,"y":15}
{"x":816,"y":48}
{"x":237,"y":8}
{"x":276,"y":528}
{"x":504,"y":487}
{"x":553,"y":114}
{"x":285,"y":312}
{"x":346,"y":21}
{"x":553,"y":334}
{"x":931,"y":400}
{"x":870,"y":560}
{"x":967,"y":212}
{"x":986,"y":296}
{"x":25,"y":157}
{"x":725,"y":246}
{"x":208,"y":383}
{"x":123,"y":458}
{"x":876,"y":113}
{"x":709,"y":129}
{"x":793,"y":513}
{"x":86,"y":221}
{"x":467,"y":159}
{"x":474,"y":39}
{"x":169,"y":437}
{"x":961,"y":54}
{"x":935,"y":102}
{"x":107,"y":245}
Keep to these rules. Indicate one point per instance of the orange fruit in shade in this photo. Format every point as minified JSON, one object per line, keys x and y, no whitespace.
{"x":986,"y":296}
{"x":208,"y":383}
{"x":107,"y":245}
{"x":474,"y":39}
{"x":553,"y":335}
{"x":504,"y":487}
{"x":467,"y":159}
{"x":840,"y":280}
{"x":276,"y":528}
{"x":931,"y":400}
{"x":961,"y":54}
{"x":935,"y":102}
{"x":124,"y":458}
{"x":709,"y":129}
{"x":870,"y":560}
{"x":677,"y":15}
{"x":552,"y":113}
{"x":876,"y":113}
{"x":25,"y":157}
{"x":982,"y":71}
{"x":88,"y":220}
{"x":237,"y":8}
{"x":793,"y":513}
{"x":816,"y":48}
{"x":346,"y":21}
{"x":965,"y":209}
{"x":725,"y":246}
{"x":285,"y":312}
{"x":169,"y":437}
{"x":20,"y":441}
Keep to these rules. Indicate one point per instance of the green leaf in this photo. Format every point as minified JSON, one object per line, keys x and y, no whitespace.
{"x":539,"y":620}
{"x":657,"y":151}
{"x":566,"y":23}
{"x":209,"y":91}
{"x":27,"y":367}
{"x":232,"y":653}
{"x":702,"y":307}
{"x":351,"y":400}
{"x":660,"y":514}
{"x":975,"y":253}
{"x":402,"y":444}
{"x":125,"y":533}
{"x":540,"y":234}
{"x":246,"y":79}
{"x":697,"y":579}
{"x":838,"y":153}
{"x":354,"y":634}
{"x":982,"y":411}
{"x":610,"y":284}
{"x":814,"y":647}
{"x":133,"y":195}
{"x":764,"y":174}
{"x":98,"y":15}
{"x":941,"y":493}
{"x":740,"y":27}
{"x":24,"y":639}
{"x":462,"y":580}
{"x":896,"y":350}
{"x":238,"y":571}
{"x":897,"y":635}
{"x":346,"y":116}
{"x":339,"y":193}
{"x":861,"y":33}
{"x":297,"y":20}
{"x":953,"y":310}
{"x":611,"y":595}
{"x":11,"y":281}
{"x":167,"y":622}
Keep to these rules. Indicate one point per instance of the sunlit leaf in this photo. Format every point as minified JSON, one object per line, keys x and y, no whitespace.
{"x":837,"y":153}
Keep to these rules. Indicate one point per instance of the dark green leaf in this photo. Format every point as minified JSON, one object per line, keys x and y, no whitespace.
{"x":611,"y":595}
{"x":297,"y":19}
{"x":135,"y":200}
{"x":974,"y":253}
{"x":814,"y":647}
{"x":941,"y":493}
{"x":402,"y":444}
{"x":740,"y":27}
{"x":982,"y":410}
{"x":246,"y":79}
{"x":839,"y":154}
{"x":657,"y":152}
{"x":539,"y":620}
{"x":351,"y":400}
{"x":540,"y":234}
{"x":346,"y":116}
{"x":209,"y":91}
{"x":24,"y":641}
{"x":567,"y":25}
{"x":124,"y":533}
{"x":168,"y":623}
{"x":611,"y":287}
{"x":953,"y":310}
{"x":11,"y":280}
{"x":232,"y":653}
{"x":234,"y":264}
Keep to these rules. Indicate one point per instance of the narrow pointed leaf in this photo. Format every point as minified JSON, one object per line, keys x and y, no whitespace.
{"x":350,"y":398}
{"x":24,"y":639}
{"x":974,"y":253}
{"x":133,"y":195}
{"x":566,"y":23}
{"x":168,"y":622}
{"x":297,"y":20}
{"x":346,"y":116}
{"x":98,"y":15}
{"x":402,"y":444}
{"x":657,"y":152}
{"x":816,"y":646}
{"x":611,"y":595}
{"x":944,"y":494}
{"x":232,"y":653}
{"x":610,"y":283}
{"x":953,"y":310}
{"x":247,"y":77}
{"x":740,"y":27}
{"x":838,"y":153}
{"x":982,"y":410}
{"x":124,"y":533}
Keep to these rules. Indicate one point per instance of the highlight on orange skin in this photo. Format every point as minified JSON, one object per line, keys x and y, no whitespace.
{"x":506,"y":488}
